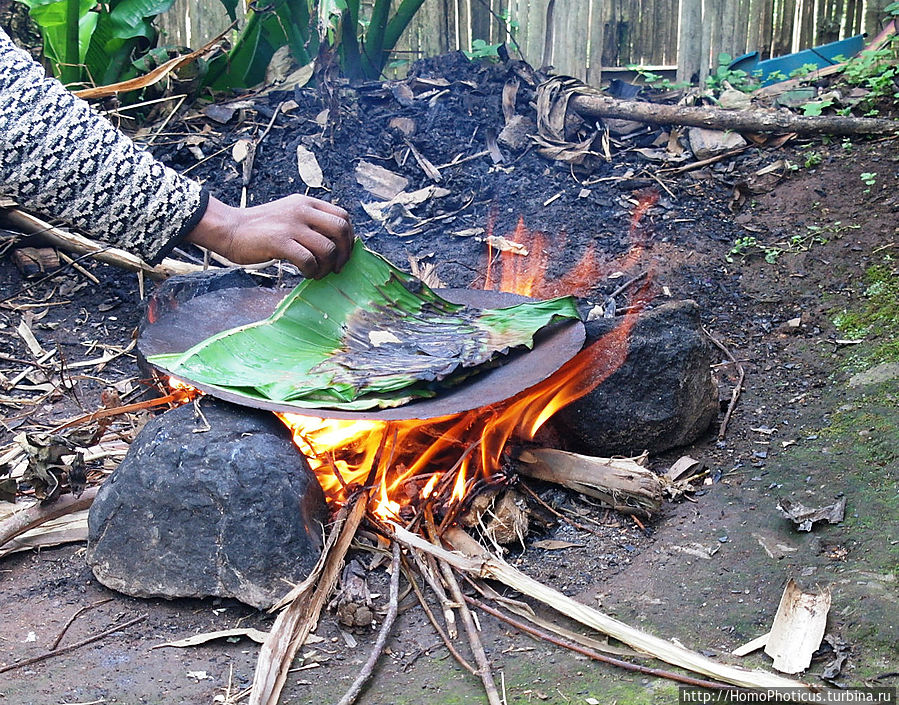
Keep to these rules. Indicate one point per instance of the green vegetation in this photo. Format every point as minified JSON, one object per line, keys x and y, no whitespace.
{"x":878,"y":316}
{"x":654,"y":80}
{"x":96,"y":44}
{"x":869,"y":179}
{"x":361,"y":45}
{"x":801,"y":242}
{"x":480,"y":49}
{"x":737,"y":79}
{"x":876,"y":71}
{"x":812,"y":159}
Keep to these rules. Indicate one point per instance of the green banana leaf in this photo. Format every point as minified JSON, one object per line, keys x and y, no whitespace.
{"x":368,"y":337}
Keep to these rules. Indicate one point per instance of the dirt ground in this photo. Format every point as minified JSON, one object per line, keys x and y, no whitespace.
{"x":810,"y":424}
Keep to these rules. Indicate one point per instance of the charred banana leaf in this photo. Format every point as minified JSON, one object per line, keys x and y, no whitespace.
{"x":368,"y":337}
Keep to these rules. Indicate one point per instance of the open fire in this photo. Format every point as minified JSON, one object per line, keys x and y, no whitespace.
{"x":447,"y":458}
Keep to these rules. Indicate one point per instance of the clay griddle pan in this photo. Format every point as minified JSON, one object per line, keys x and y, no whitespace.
{"x":203,"y":316}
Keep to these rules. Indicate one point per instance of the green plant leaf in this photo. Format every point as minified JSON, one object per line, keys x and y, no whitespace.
{"x":370,"y":336}
{"x":132,"y":18}
{"x":53,"y":17}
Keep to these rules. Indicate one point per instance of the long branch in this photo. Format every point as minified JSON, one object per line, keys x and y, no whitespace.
{"x":600,"y":106}
{"x":493,"y":568}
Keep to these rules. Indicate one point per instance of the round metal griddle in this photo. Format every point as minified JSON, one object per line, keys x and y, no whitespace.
{"x":197,"y":319}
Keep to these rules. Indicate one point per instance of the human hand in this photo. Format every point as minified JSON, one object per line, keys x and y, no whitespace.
{"x":314,"y":235}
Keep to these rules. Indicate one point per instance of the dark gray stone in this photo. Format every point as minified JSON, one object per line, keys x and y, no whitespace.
{"x":179,"y":289}
{"x":232,"y":511}
{"x":172,"y":292}
{"x":662,"y":396}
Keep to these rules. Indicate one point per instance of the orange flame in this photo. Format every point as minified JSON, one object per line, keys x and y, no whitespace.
{"x":472,"y":443}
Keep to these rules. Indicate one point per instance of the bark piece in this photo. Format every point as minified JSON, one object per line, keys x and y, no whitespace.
{"x":711,"y":143}
{"x":805,"y":517}
{"x":798,"y":628}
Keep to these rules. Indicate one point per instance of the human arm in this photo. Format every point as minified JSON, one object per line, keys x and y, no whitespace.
{"x":61,"y":158}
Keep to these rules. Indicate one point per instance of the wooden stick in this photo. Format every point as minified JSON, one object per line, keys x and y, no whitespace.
{"x":386,"y":625}
{"x":595,"y":105}
{"x":72,"y":619}
{"x":65,"y":240}
{"x":26,"y":519}
{"x":738,"y":387}
{"x":298,"y":619}
{"x":448,"y":615}
{"x":178,"y":396}
{"x":494,"y":568}
{"x":595,"y":655}
{"x":477,"y":648}
{"x":692,"y":166}
{"x":620,"y":483}
{"x":446,"y":641}
{"x":71,"y":647}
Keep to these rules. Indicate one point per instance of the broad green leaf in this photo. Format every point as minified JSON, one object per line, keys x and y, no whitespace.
{"x":370,"y":336}
{"x":132,"y":18}
{"x":51,"y":17}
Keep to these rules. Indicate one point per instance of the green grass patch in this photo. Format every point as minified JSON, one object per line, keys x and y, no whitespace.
{"x":876,"y":320}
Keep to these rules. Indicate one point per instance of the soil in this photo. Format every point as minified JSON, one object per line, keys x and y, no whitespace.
{"x":708,"y":572}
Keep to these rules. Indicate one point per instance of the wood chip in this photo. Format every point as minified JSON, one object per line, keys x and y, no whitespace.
{"x":24,"y":331}
{"x":751,"y":646}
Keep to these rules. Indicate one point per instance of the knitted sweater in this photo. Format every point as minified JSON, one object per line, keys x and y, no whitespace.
{"x":59,"y":157}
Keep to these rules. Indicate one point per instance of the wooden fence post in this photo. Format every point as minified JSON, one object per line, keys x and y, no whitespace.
{"x":689,"y":39}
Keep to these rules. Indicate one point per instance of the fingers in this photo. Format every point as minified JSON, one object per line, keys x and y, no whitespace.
{"x":333,"y":226}
{"x":315,"y":254}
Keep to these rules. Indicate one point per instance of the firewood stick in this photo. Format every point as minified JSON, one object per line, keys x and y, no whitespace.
{"x":386,"y":626}
{"x":595,"y":655}
{"x":65,"y":240}
{"x":594,"y":105}
{"x":477,"y":648}
{"x":298,"y":619}
{"x":493,"y":568}
{"x":619,"y":482}
{"x":425,"y":568}
{"x":26,"y":519}
{"x":430,"y":614}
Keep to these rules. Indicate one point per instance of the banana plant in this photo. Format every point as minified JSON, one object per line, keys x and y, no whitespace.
{"x":362,"y":45}
{"x":87,"y":42}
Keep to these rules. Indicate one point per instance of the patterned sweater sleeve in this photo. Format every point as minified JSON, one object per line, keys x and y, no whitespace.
{"x":61,"y":158}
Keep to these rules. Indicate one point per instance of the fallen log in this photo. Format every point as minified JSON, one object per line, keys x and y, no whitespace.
{"x":593,"y":105}
{"x":621,"y":483}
